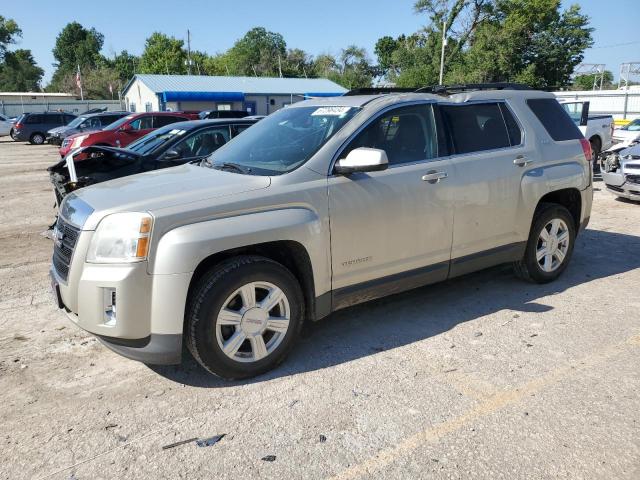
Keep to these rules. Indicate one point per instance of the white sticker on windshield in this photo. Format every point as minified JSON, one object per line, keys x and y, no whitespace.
{"x":330,"y":111}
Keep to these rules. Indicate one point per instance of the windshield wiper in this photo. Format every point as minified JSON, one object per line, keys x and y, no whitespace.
{"x":231,"y":166}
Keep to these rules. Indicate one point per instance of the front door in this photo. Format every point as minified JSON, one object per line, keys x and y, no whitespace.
{"x":391,"y":230}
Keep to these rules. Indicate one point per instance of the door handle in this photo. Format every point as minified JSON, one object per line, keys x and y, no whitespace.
{"x":522,"y":161}
{"x":433,"y":176}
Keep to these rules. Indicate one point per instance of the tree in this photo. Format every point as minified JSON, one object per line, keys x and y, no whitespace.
{"x":9,"y":32}
{"x":75,"y":46}
{"x":297,"y":63}
{"x":95,"y":82}
{"x":163,"y":54}
{"x":19,"y":72}
{"x":586,"y":81}
{"x":258,"y":53}
{"x":125,"y":64}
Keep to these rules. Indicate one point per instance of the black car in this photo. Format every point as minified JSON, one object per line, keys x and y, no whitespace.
{"x":87,"y":122}
{"x":213,"y":114}
{"x":33,"y":127}
{"x":165,"y":147}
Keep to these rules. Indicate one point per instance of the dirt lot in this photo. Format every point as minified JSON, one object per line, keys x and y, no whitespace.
{"x":481,"y":377}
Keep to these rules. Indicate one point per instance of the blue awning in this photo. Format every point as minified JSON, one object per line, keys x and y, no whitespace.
{"x":311,"y":95}
{"x":202,"y":96}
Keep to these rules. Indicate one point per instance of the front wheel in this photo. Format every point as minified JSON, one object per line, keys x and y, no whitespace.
{"x":37,"y":139}
{"x":550,"y":245}
{"x":244,"y":316}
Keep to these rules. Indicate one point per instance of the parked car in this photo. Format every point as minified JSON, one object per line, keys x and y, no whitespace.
{"x":598,"y":129}
{"x":168,"y":146}
{"x":124,"y":131}
{"x":212,"y":114}
{"x":5,"y":126}
{"x":627,"y":136}
{"x":84,"y":123}
{"x":322,"y":205}
{"x":621,"y":173}
{"x":33,"y":127}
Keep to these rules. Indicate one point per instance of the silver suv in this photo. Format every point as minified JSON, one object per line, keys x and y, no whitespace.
{"x":322,"y":205}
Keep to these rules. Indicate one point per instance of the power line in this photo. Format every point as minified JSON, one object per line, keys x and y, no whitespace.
{"x":617,"y":45}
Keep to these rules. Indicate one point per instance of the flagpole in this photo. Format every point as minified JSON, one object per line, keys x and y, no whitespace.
{"x":79,"y":82}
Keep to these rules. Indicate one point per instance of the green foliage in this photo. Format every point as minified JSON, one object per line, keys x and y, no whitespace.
{"x":163,"y":54}
{"x":585,"y":82}
{"x":9,"y":31}
{"x":19,"y":72}
{"x":528,"y":41}
{"x":125,"y":64}
{"x":258,"y":53}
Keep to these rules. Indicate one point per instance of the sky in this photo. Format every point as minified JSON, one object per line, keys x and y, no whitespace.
{"x":317,"y":27}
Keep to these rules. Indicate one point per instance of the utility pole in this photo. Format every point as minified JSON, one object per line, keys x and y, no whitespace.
{"x":188,"y":52}
{"x":444,"y":42}
{"x":280,"y":65}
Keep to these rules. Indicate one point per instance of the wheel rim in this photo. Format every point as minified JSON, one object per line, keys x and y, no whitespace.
{"x":38,"y":139}
{"x":553,"y":245}
{"x":253,"y":321}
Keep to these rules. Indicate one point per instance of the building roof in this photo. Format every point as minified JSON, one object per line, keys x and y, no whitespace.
{"x":35,"y":94}
{"x":246,"y":85}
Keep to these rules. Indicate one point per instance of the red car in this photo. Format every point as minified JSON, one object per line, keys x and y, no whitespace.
{"x":125,"y":130}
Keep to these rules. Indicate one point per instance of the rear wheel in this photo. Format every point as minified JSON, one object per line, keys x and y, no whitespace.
{"x":37,"y":139}
{"x":12,"y":133}
{"x":550,"y":245}
{"x":244,"y":316}
{"x":596,"y":147}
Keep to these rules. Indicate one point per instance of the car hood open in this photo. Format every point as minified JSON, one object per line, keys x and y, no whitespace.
{"x":161,"y":189}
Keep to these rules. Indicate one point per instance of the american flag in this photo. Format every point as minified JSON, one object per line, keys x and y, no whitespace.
{"x":78,"y":78}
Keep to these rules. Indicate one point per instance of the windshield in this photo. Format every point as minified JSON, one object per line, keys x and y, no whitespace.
{"x":283,"y":141}
{"x":634,"y":126}
{"x":76,"y":122}
{"x":118,"y":123}
{"x":155,"y":139}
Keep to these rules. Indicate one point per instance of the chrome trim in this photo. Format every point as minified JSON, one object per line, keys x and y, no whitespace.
{"x":75,"y":211}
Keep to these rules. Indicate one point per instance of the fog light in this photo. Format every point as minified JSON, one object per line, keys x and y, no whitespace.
{"x":110,"y":307}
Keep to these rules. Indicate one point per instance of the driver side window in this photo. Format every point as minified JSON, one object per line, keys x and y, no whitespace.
{"x":142,"y":123}
{"x":406,"y":134}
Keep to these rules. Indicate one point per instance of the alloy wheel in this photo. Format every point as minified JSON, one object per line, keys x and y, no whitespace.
{"x":253,"y":321}
{"x":553,"y":245}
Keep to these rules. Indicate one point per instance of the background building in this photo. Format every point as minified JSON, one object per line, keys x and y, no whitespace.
{"x":256,"y":95}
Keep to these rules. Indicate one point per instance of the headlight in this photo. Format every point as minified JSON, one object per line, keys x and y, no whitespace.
{"x":77,"y":142}
{"x":121,"y":238}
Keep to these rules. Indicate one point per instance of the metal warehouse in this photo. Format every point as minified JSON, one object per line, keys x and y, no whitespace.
{"x":256,"y":95}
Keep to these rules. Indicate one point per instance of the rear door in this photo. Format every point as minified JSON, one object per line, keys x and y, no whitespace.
{"x":490,"y":158}
{"x":193,"y":147}
{"x":140,"y":126}
{"x":391,"y":230}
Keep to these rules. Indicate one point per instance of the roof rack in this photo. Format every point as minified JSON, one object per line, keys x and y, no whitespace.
{"x":467,"y":87}
{"x":439,"y":89}
{"x":378,"y":91}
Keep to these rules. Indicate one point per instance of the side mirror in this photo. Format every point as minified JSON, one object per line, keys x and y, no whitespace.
{"x":362,"y":160}
{"x":171,"y":155}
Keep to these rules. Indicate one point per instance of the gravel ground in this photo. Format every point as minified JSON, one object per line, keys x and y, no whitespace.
{"x":481,"y":377}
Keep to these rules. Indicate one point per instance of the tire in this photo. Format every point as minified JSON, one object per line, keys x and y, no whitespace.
{"x":219,"y":288}
{"x":12,"y":134}
{"x":37,"y":139}
{"x":540,"y":271}
{"x":595,"y":153}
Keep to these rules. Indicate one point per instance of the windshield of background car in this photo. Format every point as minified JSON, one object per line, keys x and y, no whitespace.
{"x":284,"y":140}
{"x":76,"y":122}
{"x":118,"y":123}
{"x":155,"y":139}
{"x":634,"y":126}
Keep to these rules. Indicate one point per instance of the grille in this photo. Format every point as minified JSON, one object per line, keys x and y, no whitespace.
{"x":65,"y":238}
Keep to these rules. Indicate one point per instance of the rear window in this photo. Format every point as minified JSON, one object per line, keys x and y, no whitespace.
{"x":513,"y":129}
{"x":164,"y":120}
{"x":476,"y":127}
{"x":555,"y":119}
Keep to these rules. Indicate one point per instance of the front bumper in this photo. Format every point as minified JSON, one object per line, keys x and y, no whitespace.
{"x":149,"y":309}
{"x":616,"y":183}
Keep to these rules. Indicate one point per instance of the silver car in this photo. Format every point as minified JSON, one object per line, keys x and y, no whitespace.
{"x":320,"y":206}
{"x":621,"y":173}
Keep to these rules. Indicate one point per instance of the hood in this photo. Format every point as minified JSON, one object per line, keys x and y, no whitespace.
{"x":162,"y":188}
{"x":631,"y":153}
{"x":56,"y":130}
{"x":625,"y":134}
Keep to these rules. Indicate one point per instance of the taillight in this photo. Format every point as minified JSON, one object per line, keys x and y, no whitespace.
{"x":18,"y":126}
{"x":586,"y":148}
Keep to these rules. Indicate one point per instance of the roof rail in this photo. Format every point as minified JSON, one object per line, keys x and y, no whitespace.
{"x":439,"y":89}
{"x":466,"y":87}
{"x":378,"y":91}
